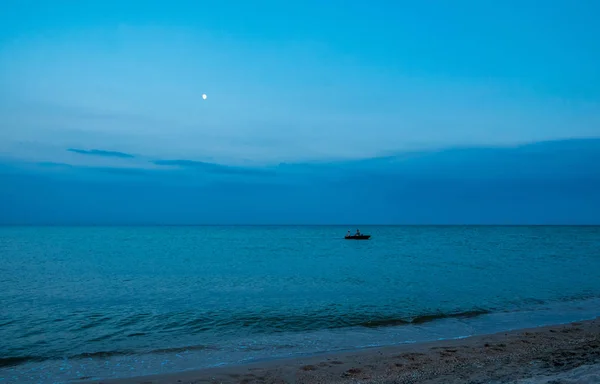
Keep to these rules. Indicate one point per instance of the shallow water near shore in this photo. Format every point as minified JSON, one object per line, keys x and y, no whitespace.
{"x":106,"y":302}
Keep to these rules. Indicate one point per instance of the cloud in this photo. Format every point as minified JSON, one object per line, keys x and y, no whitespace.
{"x":211,"y":167}
{"x":539,"y":183}
{"x":99,"y":152}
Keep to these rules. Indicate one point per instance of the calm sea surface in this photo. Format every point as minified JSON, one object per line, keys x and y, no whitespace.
{"x":101,"y":302}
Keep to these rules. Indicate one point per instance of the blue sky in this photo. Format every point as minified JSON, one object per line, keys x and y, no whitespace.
{"x":294,"y":80}
{"x":116,"y":87}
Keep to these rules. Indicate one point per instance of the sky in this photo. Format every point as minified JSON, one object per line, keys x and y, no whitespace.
{"x":114,"y":88}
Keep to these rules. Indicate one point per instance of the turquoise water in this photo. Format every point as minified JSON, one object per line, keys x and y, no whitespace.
{"x":120,"y":301}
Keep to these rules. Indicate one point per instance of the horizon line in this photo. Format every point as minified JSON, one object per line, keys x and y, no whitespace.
{"x":302,"y":225}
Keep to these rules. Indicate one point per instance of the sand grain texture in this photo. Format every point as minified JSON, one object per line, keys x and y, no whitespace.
{"x":564,"y":354}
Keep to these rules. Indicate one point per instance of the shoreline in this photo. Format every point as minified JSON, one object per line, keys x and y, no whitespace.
{"x":515,"y":355}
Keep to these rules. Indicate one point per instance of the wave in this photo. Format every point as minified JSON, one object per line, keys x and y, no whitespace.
{"x":17,"y":360}
{"x":424,"y":318}
{"x":330,"y":319}
{"x":271,"y":324}
{"x":165,"y":326}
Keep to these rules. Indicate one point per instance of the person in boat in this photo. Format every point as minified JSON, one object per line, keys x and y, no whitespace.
{"x":348,"y":234}
{"x":357,"y":233}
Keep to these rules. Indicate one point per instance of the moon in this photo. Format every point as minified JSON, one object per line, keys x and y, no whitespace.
{"x":204,"y":96}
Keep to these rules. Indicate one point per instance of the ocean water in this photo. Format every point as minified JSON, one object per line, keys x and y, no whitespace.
{"x":105,"y":302}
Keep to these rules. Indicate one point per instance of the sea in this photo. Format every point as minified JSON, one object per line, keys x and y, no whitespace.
{"x":82,"y":303}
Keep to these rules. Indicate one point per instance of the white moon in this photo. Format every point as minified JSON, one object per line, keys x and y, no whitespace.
{"x":204,"y":96}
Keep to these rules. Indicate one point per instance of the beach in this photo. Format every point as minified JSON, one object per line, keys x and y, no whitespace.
{"x":568,"y":353}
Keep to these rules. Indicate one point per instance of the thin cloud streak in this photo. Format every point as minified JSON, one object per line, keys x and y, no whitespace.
{"x":103,"y":153}
{"x":212,"y":167}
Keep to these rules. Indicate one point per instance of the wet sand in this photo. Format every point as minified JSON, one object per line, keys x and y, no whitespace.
{"x":557,"y":354}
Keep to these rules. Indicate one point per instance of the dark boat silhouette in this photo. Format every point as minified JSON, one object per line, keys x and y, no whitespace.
{"x":357,"y":237}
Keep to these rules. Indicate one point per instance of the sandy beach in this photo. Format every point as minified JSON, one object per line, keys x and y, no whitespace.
{"x":567,"y":353}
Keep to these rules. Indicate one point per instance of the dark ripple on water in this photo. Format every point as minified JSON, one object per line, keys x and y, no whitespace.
{"x":258,"y":323}
{"x":254,"y":323}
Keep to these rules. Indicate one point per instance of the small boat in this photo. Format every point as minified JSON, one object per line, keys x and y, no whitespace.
{"x":357,"y":237}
